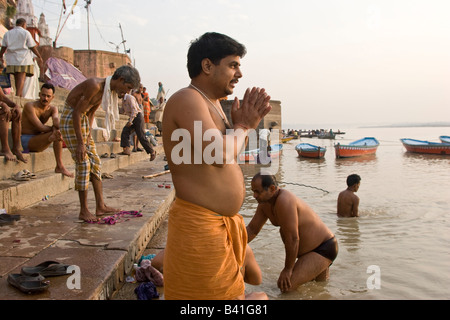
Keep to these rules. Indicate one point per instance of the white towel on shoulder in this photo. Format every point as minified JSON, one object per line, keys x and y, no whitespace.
{"x":110,"y":104}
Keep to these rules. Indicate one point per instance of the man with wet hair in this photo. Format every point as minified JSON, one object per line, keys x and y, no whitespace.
{"x":348,"y":201}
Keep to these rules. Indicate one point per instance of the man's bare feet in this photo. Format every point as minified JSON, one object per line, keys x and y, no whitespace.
{"x":64,"y":172}
{"x":20,"y":156}
{"x":105,"y":210}
{"x":87,"y":216}
{"x":9,"y":156}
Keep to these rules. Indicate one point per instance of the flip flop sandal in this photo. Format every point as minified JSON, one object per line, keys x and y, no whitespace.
{"x":113,"y":155}
{"x":105,"y":155}
{"x":28,"y":284}
{"x":21,"y":176}
{"x":31,"y":175}
{"x":153,"y":156}
{"x":46,"y":269}
{"x":6,"y":219}
{"x":107,"y":176}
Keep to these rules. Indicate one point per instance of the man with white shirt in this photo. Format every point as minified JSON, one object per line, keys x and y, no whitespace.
{"x":135,"y":122}
{"x":18,"y":46}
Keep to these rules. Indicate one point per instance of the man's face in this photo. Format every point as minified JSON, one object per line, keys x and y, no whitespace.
{"x":227,"y":74}
{"x":123,"y":88}
{"x":46,"y":96}
{"x":259,"y":193}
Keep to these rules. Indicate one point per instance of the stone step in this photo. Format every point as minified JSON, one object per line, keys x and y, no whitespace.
{"x":102,"y":254}
{"x":15,"y":195}
{"x":45,"y":160}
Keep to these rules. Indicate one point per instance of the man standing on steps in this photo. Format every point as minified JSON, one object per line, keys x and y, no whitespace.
{"x":76,"y":121}
{"x":36,"y":136}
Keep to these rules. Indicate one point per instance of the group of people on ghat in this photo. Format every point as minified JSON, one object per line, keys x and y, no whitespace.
{"x":208,"y":253}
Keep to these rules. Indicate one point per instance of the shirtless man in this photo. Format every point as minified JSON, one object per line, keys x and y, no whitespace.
{"x":348,"y":201}
{"x":10,"y":112}
{"x":76,"y":121}
{"x":36,"y":136}
{"x":208,"y":196}
{"x":310,"y":246}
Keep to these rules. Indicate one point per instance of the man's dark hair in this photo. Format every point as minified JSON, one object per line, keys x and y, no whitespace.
{"x":353,"y":179}
{"x":129,"y":75}
{"x":20,"y":22}
{"x":214,"y":46}
{"x":267,"y":180}
{"x":48,"y":86}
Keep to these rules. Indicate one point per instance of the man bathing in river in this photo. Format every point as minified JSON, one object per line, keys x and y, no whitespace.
{"x":348,"y":201}
{"x":76,"y":122}
{"x":310,"y":246}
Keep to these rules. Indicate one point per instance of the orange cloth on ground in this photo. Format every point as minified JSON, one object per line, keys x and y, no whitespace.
{"x":204,"y":254}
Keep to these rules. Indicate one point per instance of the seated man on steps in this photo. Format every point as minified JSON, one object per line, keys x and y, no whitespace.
{"x":36,"y":135}
{"x":9,"y":111}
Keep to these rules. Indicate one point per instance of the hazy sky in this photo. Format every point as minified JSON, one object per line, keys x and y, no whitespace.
{"x":329,"y":62}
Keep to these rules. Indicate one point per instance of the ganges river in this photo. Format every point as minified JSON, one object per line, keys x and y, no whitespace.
{"x":399,"y":247}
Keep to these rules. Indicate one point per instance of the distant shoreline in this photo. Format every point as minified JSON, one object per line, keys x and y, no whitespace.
{"x":410,"y":125}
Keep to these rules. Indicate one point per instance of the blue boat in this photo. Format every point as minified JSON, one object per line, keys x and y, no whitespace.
{"x":252,"y":155}
{"x":445,"y":139}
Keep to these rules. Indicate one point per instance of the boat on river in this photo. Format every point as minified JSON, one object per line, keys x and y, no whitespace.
{"x":308,"y":150}
{"x":361,"y":147}
{"x":423,"y":146}
{"x":253,"y":154}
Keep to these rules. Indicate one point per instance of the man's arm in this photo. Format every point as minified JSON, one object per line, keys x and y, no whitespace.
{"x":83,"y":106}
{"x":355,"y":206}
{"x":36,"y":52}
{"x":30,"y":115}
{"x":55,"y":117}
{"x":288,"y":220}
{"x":255,"y":225}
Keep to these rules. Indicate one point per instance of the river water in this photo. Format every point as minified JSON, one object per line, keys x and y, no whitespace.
{"x":399,"y":247}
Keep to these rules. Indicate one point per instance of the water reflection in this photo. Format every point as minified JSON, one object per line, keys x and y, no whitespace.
{"x":369,"y":159}
{"x":348,"y":233}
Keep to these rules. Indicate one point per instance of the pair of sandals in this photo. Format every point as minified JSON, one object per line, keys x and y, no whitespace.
{"x":107,"y":155}
{"x":32,"y":279}
{"x":24,"y":175}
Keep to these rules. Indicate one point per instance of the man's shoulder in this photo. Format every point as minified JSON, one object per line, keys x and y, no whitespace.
{"x":184,"y":98}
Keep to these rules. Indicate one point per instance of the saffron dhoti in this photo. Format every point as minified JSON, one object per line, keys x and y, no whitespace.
{"x":204,"y":254}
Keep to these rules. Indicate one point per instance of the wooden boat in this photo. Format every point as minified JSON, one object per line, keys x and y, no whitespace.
{"x":249,"y":155}
{"x":252,"y":155}
{"x":308,"y":150}
{"x":445,"y":139}
{"x":275,"y":150}
{"x":364,"y":146}
{"x":286,"y":139}
{"x":421,"y":146}
{"x":326,"y":135}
